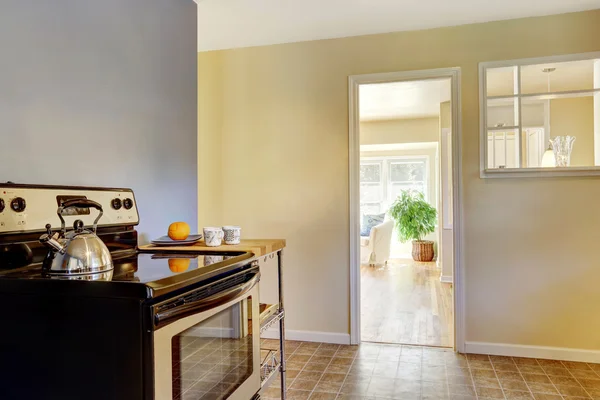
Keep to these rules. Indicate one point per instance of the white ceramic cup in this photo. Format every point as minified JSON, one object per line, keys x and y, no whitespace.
{"x":232,"y":234}
{"x":213,"y":236}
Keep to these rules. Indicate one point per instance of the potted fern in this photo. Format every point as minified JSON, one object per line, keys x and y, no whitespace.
{"x":415,"y":218}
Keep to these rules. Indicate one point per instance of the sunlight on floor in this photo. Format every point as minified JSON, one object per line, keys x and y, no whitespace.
{"x":405,"y":302}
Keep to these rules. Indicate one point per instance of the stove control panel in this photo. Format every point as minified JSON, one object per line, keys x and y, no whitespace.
{"x":25,"y":208}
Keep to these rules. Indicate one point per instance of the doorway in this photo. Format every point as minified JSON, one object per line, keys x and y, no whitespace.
{"x":405,"y":140}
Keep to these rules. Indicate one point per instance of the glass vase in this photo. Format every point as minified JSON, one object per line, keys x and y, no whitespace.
{"x":562,"y":147}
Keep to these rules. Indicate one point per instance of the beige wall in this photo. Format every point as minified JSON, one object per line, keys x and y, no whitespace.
{"x":411,"y":130}
{"x":575,"y":117}
{"x":210,"y":118}
{"x":529,"y":245}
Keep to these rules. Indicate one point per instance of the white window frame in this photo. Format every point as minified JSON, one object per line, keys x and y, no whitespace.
{"x":386,"y":162}
{"x":381,"y":181}
{"x":486,"y":172}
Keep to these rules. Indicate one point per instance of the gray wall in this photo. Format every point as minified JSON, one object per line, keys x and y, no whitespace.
{"x":103,"y":93}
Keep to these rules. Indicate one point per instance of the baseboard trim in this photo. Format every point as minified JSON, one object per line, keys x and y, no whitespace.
{"x":446,"y":278}
{"x":517,"y":350}
{"x":309,"y":336}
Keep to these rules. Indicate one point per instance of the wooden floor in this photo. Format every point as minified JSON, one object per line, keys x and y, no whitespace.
{"x":405,"y":302}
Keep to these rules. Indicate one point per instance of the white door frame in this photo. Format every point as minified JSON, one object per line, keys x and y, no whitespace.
{"x":354,"y":172}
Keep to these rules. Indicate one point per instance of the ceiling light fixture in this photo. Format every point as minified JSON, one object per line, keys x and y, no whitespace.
{"x":548,"y":71}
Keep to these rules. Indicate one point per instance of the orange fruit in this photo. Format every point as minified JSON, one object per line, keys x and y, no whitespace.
{"x":179,"y":264}
{"x":179,"y":230}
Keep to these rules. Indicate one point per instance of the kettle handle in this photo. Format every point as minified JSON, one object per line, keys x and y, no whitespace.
{"x":81,"y":203}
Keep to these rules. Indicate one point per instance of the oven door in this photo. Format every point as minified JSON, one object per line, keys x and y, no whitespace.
{"x":209,"y":348}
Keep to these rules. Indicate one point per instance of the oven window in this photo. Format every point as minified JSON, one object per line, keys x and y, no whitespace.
{"x":213,"y":358}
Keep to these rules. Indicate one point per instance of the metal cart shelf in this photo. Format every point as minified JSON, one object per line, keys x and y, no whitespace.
{"x":271,"y":315}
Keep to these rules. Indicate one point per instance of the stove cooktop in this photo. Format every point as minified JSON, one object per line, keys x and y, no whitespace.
{"x":155,"y":273}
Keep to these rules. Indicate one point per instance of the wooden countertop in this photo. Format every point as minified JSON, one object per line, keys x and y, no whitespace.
{"x":259,"y":247}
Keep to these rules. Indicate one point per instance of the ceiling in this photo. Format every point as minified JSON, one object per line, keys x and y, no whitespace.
{"x":224,"y":24}
{"x":409,"y":99}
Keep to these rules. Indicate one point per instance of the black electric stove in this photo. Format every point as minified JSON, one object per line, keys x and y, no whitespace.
{"x":91,"y":336}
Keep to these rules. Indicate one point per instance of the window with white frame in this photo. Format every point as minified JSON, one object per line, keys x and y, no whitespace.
{"x":540,"y":115}
{"x":371,"y":187}
{"x":382,"y":179}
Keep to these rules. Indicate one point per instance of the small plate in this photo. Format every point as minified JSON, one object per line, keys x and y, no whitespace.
{"x":167,"y":241}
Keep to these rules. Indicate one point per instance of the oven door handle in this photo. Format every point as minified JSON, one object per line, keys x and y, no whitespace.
{"x":206,"y":303}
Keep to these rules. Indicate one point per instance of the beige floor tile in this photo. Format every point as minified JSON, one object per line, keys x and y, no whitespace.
{"x":355,"y":388}
{"x":549,"y":363}
{"x":564,"y":380}
{"x":478,"y":357}
{"x":460,"y":380}
{"x":309,"y":375}
{"x":408,"y":385}
{"x":480,"y":364}
{"x":501,"y":360}
{"x":589,"y":383}
{"x":545,"y":396}
{"x":292,"y":365}
{"x":328,"y":386}
{"x":315,"y":367}
{"x":483,"y":373}
{"x":341,"y":361}
{"x":487,"y":382}
{"x":325,"y":352}
{"x":461,"y":389}
{"x":531,"y":369}
{"x":330,"y":377}
{"x":303,"y":385}
{"x":300,"y":358}
{"x":298,"y":394}
{"x":320,"y":359}
{"x":489,"y":393}
{"x":510,"y":376}
{"x":584,"y":374}
{"x":542,"y":388}
{"x":460,"y":371}
{"x":517,"y":395}
{"x":557,"y":371}
{"x":525,"y":361}
{"x":514,"y":385}
{"x":357,"y":379}
{"x":576,"y":391}
{"x":338,"y":369}
{"x":454,"y":396}
{"x":506,"y":367}
{"x":323,"y":396}
{"x":572,"y":365}
{"x":389,"y":372}
{"x":305,"y":351}
{"x":535,"y":378}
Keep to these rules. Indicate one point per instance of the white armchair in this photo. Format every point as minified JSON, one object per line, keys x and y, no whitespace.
{"x":375,"y":249}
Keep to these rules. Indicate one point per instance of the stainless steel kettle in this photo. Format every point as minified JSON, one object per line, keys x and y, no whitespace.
{"x":80,"y":251}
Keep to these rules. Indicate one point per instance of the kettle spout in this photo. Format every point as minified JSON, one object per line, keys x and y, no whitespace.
{"x":52,"y":242}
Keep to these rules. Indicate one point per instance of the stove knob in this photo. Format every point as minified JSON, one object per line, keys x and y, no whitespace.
{"x":2,"y":205}
{"x":128,"y":204}
{"x":18,"y":204}
{"x":116,"y":204}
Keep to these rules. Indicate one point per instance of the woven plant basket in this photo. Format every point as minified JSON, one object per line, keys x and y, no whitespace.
{"x":422,"y":250}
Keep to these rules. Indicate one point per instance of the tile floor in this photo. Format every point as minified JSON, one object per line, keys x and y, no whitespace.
{"x":374,"y":371}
